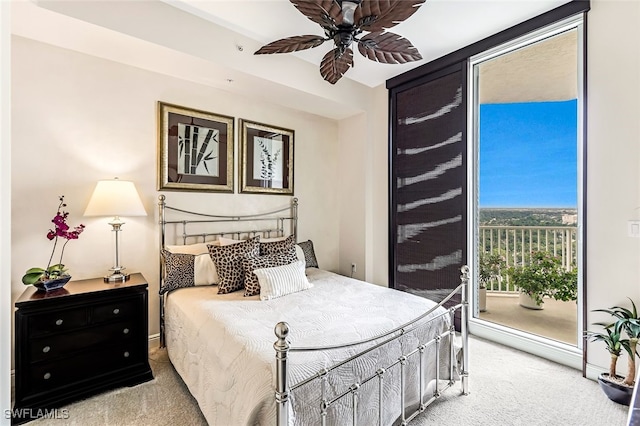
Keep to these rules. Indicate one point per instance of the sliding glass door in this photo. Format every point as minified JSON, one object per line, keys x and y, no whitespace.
{"x":526,"y":178}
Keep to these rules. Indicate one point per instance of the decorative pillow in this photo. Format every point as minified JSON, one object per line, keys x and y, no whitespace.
{"x":282,"y":280}
{"x":271,"y":240}
{"x":300,"y":253}
{"x":228,"y":260}
{"x":228,"y":241}
{"x":309,"y":254}
{"x":178,"y":271}
{"x":205,"y":270}
{"x":251,"y":263}
{"x":277,"y":246}
{"x":198,"y":248}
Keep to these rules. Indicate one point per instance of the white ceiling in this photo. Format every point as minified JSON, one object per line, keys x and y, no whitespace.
{"x":437,"y":28}
{"x":212,"y":41}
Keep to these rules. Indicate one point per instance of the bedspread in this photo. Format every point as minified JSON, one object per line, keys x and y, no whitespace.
{"x":222,"y":347}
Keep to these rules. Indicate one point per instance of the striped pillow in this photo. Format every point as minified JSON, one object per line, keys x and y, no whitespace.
{"x":282,"y":280}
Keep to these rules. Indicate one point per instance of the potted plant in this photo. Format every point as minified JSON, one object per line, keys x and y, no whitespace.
{"x":544,"y":276}
{"x":619,"y":388}
{"x":54,"y":276}
{"x":490,"y":268}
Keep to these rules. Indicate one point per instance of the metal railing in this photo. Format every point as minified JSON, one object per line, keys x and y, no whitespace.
{"x":516,"y":243}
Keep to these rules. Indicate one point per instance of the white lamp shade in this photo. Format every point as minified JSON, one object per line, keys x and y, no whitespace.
{"x":115,"y":198}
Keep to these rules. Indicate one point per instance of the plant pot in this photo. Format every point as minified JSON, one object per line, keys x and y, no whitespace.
{"x":616,"y":392}
{"x":527,"y":302}
{"x":54,"y":284}
{"x":482,"y":299}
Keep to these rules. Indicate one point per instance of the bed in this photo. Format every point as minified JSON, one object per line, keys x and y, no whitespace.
{"x":345,"y":351}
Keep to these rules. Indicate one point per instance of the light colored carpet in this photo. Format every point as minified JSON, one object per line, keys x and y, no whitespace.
{"x":508,"y":388}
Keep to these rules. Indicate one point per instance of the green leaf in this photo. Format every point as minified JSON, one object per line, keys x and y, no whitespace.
{"x":56,"y":270}
{"x":32,"y":278}
{"x":34,"y":270}
{"x":57,"y":267}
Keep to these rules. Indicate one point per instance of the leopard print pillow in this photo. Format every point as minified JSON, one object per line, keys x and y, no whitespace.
{"x":277,"y":246}
{"x":228,"y":260}
{"x":251,"y":263}
{"x":179,"y":271}
{"x":309,"y":254}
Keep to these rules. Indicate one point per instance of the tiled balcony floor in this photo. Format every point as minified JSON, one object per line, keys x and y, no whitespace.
{"x":556,"y":321}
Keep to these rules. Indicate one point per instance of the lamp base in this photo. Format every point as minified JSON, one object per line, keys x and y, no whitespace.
{"x":117,"y":277}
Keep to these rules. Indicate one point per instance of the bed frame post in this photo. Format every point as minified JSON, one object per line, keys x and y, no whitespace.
{"x":294,"y":222}
{"x":464,"y":373}
{"x":282,"y":386}
{"x":161,"y":205}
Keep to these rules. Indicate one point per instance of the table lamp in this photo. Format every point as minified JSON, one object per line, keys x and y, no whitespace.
{"x":115,"y":198}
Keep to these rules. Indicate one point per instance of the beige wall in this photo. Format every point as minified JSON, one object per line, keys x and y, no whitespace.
{"x":364,"y":191}
{"x":378,"y":191}
{"x":613,"y":174}
{"x":352,"y":165}
{"x":78,"y":119}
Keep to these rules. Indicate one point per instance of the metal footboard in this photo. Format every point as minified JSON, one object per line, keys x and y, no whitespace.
{"x":284,"y":389}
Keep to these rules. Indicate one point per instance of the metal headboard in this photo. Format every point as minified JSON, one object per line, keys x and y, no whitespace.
{"x":272,"y":224}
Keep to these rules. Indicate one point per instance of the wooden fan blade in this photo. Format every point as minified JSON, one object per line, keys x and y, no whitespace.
{"x":378,"y":15}
{"x":326,"y":13}
{"x":291,"y":44}
{"x":388,"y":48}
{"x":334,"y":65}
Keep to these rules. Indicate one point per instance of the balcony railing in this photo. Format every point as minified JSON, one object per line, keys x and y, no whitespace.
{"x":516,"y":243}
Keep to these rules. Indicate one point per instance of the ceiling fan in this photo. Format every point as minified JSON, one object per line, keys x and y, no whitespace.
{"x":343,"y":21}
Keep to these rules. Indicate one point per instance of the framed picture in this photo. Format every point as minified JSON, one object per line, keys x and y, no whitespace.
{"x":266,"y":164}
{"x":195,"y":150}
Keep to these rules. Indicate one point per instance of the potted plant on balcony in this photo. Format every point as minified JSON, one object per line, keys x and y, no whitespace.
{"x":490,"y":268}
{"x":544,"y":276}
{"x":618,"y":388}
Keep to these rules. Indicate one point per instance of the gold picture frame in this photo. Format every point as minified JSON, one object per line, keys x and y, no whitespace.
{"x":266,"y":164}
{"x":195,"y":150}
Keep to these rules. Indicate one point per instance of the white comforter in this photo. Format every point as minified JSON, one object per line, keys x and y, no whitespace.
{"x":222,"y":346}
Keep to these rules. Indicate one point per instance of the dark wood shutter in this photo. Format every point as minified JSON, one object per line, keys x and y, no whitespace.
{"x":428,"y":184}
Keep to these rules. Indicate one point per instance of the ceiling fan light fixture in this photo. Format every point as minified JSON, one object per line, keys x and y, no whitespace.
{"x":338,"y":20}
{"x":348,"y":10}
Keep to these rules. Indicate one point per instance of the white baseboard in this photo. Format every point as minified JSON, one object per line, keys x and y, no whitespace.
{"x":562,"y":354}
{"x":593,"y":371}
{"x":154,"y":340}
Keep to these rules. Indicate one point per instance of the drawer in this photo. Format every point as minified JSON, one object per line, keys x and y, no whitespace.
{"x":123,"y":308}
{"x":84,"y":366}
{"x":49,"y":347}
{"x":56,"y":322}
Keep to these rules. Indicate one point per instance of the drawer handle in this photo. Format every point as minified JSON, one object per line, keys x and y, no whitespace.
{"x":126,"y":354}
{"x":46,"y":349}
{"x":116,"y":311}
{"x":59,"y":322}
{"x":125,"y":331}
{"x":47,"y":376}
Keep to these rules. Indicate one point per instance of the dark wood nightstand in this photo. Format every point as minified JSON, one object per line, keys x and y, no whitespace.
{"x":86,"y":338}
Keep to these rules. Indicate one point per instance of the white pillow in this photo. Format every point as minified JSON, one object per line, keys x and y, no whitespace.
{"x":272,"y":240}
{"x":228,"y":241}
{"x":282,"y":280}
{"x":199,"y":248}
{"x":300,"y":254}
{"x":204,"y":269}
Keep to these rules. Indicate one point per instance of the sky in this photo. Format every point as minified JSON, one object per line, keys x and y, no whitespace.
{"x":528,"y":154}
